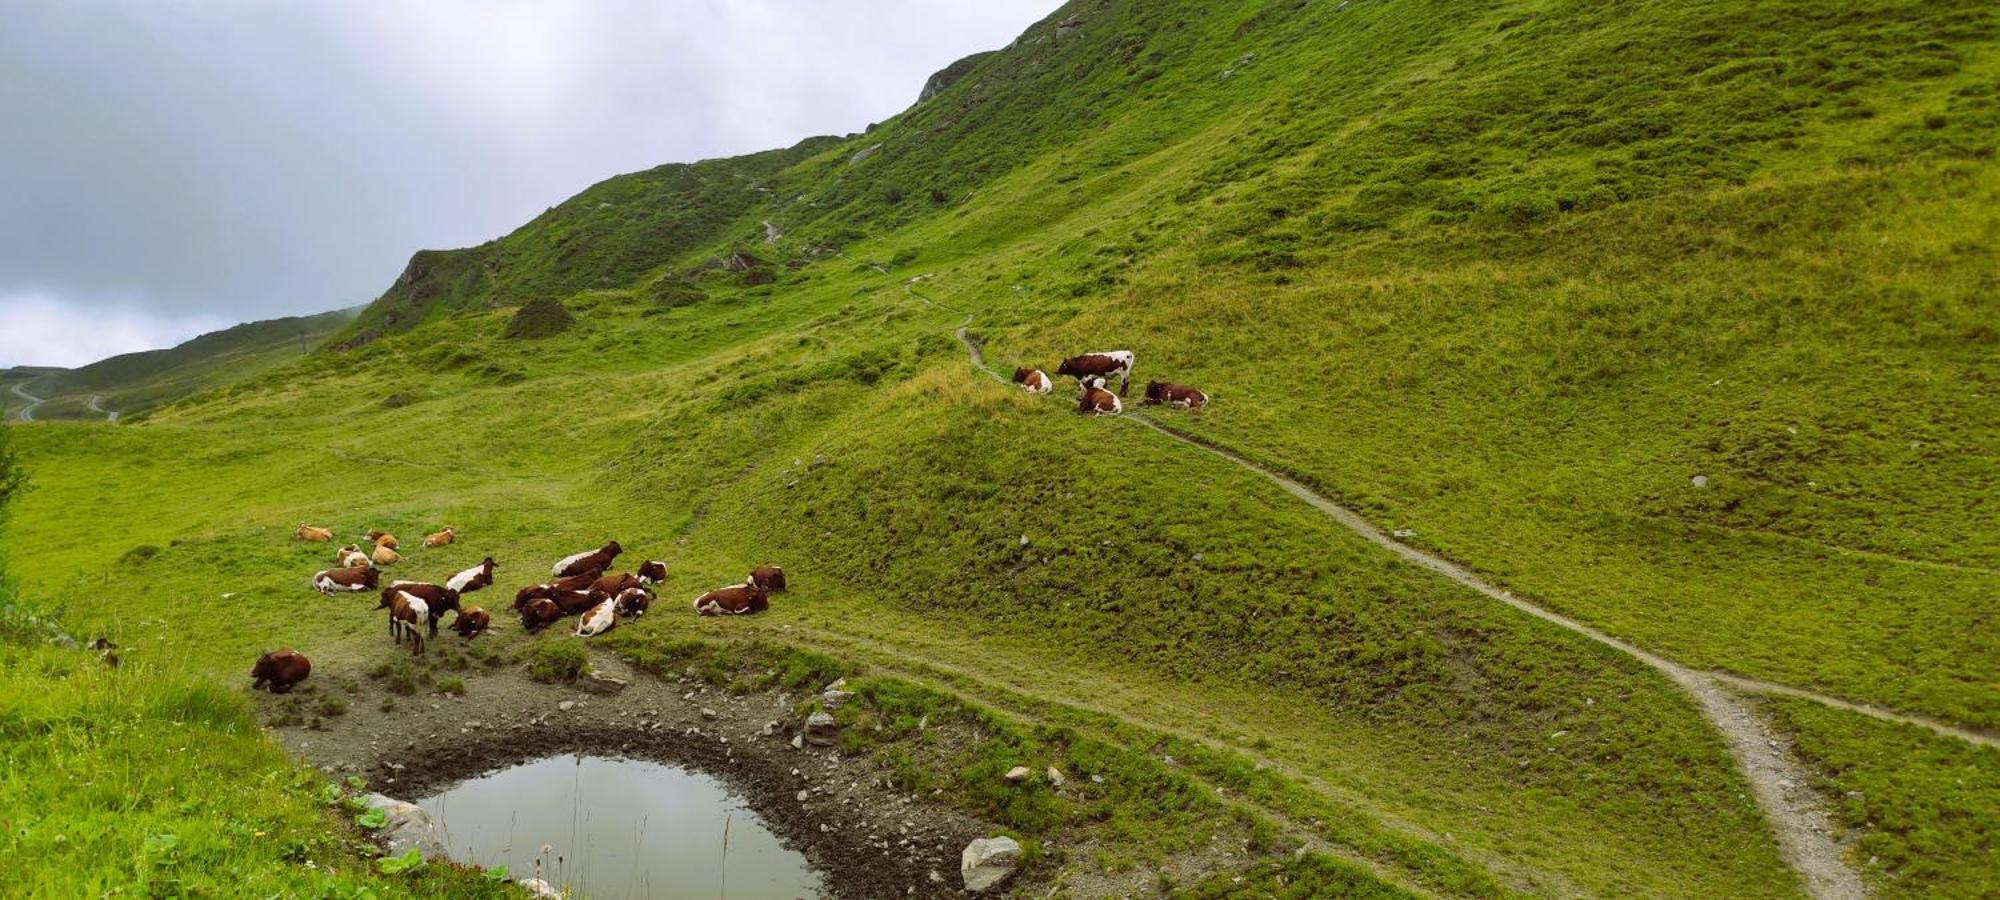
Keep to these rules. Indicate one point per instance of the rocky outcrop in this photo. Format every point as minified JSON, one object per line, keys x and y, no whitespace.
{"x":409,"y":826}
{"x":951,"y":74}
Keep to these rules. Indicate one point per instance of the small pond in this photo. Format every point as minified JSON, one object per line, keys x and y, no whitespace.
{"x":619,"y":828}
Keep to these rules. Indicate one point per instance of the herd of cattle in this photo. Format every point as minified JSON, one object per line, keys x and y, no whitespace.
{"x":1092,"y":372}
{"x":579,"y":584}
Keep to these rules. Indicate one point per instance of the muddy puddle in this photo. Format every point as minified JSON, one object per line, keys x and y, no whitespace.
{"x":619,"y":828}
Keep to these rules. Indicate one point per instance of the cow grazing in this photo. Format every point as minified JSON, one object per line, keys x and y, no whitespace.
{"x":735,"y":600}
{"x":278,"y":670}
{"x":474,"y":578}
{"x":382,"y":539}
{"x":350,"y":556}
{"x":441,"y":538}
{"x":407,"y":615}
{"x":438,"y":598}
{"x":315,"y":535}
{"x":598,"y":619}
{"x":384,"y":555}
{"x":1034,"y":381}
{"x":771,"y":579}
{"x":578,"y":563}
{"x":652,"y":571}
{"x":539,"y":613}
{"x":633,"y":602}
{"x":1179,"y":396}
{"x":471,"y":621}
{"x":1107,"y":365}
{"x":352,"y":579}
{"x":1098,"y":401}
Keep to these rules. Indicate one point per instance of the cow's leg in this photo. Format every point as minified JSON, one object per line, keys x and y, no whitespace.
{"x":1124,"y":382}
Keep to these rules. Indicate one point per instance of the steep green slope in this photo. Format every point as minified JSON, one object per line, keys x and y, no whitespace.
{"x":1507,"y":275}
{"x":133,"y":384}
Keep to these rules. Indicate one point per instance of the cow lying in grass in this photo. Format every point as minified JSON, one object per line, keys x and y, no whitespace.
{"x":1098,"y":401}
{"x":352,"y":579}
{"x":313,"y":534}
{"x":350,"y":556}
{"x":441,"y":538}
{"x":633,"y":602}
{"x":598,"y":619}
{"x":770,"y":578}
{"x":735,"y":600}
{"x":474,"y":578}
{"x":1034,"y":381}
{"x":588,"y":560}
{"x":1179,"y":396}
{"x":471,"y":622}
{"x":539,"y":613}
{"x":279,"y":669}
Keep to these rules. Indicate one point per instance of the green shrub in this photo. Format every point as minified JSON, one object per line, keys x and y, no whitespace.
{"x":540,"y":318}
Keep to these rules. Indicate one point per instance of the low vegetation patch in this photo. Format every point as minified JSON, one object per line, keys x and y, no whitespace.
{"x":542,"y":317}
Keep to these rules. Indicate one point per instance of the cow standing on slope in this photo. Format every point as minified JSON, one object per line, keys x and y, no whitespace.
{"x":1106,"y":365}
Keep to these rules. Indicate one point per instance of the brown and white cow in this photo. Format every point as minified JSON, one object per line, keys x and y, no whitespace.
{"x":598,"y":619}
{"x":574,"y":603}
{"x":616,"y":584}
{"x":382,"y":539}
{"x":437,"y":597}
{"x":407,"y":616}
{"x":384,"y":555}
{"x":539,"y":613}
{"x":652,"y":571}
{"x":315,"y":535}
{"x":1098,"y":401}
{"x":352,"y":579}
{"x":471,"y":621}
{"x":1034,"y":381}
{"x":1107,"y":365}
{"x":1179,"y":396}
{"x":633,"y":602}
{"x":441,"y":538}
{"x":579,"y":563}
{"x":279,"y":669}
{"x":735,"y":600}
{"x":771,"y":579}
{"x":474,"y":578}
{"x":349,"y":556}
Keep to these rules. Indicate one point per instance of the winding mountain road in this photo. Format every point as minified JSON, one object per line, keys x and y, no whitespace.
{"x":26,"y":413}
{"x":110,"y":415}
{"x":1778,"y":779}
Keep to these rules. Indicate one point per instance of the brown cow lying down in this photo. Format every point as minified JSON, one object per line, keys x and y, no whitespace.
{"x":441,"y":538}
{"x":579,"y":563}
{"x":349,"y":556}
{"x":437,"y":598}
{"x":316,"y":535}
{"x":616,"y":584}
{"x":770,"y":578}
{"x":471,"y":621}
{"x":351,"y":579}
{"x":382,"y":539}
{"x":279,"y":670}
{"x":474,"y":578}
{"x":574,"y":603}
{"x":1034,"y":381}
{"x":1106,"y":365}
{"x":1098,"y":401}
{"x":407,"y":615}
{"x":652,"y":571}
{"x":735,"y":600}
{"x":383,"y":556}
{"x":539,"y":613}
{"x":1179,"y":396}
{"x":633,"y":602}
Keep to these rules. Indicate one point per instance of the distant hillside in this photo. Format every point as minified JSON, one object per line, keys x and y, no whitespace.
{"x":133,"y":383}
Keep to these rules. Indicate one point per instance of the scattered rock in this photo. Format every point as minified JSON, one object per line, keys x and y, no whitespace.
{"x":709,"y":714}
{"x":1055,"y":776}
{"x":821,"y":730}
{"x":835,"y":699}
{"x":1068,"y":27}
{"x":798,"y":742}
{"x":862,"y":154}
{"x":1700,"y":481}
{"x":535,"y":887}
{"x":594,"y":683}
{"x":1017,"y":774}
{"x":987,"y":863}
{"x":566,"y":705}
{"x":409,"y":826}
{"x":1403,"y":532}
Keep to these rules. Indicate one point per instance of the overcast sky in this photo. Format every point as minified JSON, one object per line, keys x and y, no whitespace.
{"x":168,"y":168}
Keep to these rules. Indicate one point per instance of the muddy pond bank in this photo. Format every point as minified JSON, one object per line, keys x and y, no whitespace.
{"x":864,"y":837}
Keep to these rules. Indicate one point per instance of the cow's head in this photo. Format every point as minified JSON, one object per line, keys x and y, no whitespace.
{"x":1068,"y":367}
{"x":1155,"y":391}
{"x":488,"y":564}
{"x":1021,"y":374}
{"x":612,"y":549}
{"x":653,"y":570}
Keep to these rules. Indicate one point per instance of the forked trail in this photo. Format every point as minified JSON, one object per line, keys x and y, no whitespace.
{"x":1780,"y":782}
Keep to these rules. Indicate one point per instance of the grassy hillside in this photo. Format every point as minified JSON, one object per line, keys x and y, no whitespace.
{"x":1673,"y":317}
{"x":133,"y":384}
